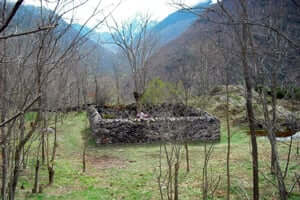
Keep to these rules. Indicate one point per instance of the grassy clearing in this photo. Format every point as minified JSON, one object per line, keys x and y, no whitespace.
{"x":130,"y":171}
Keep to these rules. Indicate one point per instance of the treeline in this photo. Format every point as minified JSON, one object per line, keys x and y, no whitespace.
{"x":43,"y":65}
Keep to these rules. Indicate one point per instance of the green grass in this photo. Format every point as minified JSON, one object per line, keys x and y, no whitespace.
{"x":130,"y":171}
{"x":30,"y":116}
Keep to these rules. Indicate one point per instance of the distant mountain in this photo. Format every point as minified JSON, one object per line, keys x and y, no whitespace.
{"x":197,"y":33}
{"x":167,"y":30}
{"x":178,"y":22}
{"x":29,"y":17}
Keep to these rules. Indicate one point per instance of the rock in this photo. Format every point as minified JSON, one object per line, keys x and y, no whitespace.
{"x":49,"y":130}
{"x":296,"y":136}
{"x":93,"y":116}
{"x":178,"y":123}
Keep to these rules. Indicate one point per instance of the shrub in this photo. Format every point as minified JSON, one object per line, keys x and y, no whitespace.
{"x":109,"y":116}
{"x":104,"y":96}
{"x":281,"y":92}
{"x":159,"y":92}
{"x":215,"y":90}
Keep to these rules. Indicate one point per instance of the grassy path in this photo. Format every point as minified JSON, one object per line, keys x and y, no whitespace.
{"x":130,"y":171}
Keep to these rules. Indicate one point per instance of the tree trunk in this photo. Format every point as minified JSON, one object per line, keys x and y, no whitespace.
{"x":84,"y":158}
{"x":4,"y":172}
{"x":250,"y":113}
{"x":96,"y":90}
{"x":51,"y":171}
{"x":278,"y":172}
{"x":22,"y":132}
{"x":43,"y":148}
{"x":51,"y":174}
{"x":187,"y":156}
{"x":204,"y":174}
{"x":36,"y":178}
{"x":273,"y":162}
{"x":275,"y":165}
{"x":176,"y":172}
{"x":228,"y":142}
{"x":4,"y":152}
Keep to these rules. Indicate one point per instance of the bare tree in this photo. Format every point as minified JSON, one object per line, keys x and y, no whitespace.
{"x":137,"y":42}
{"x":26,"y":83}
{"x":169,"y":179}
{"x":209,"y":185}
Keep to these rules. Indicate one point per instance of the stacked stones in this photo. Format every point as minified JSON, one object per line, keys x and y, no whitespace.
{"x":179,"y":122}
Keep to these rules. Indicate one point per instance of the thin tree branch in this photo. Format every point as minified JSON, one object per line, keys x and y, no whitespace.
{"x":29,"y":32}
{"x":21,"y":112}
{"x":11,"y":15}
{"x":297,"y":4}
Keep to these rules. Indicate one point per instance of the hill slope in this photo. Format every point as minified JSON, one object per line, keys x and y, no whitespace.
{"x":28,"y":17}
{"x":201,"y":31}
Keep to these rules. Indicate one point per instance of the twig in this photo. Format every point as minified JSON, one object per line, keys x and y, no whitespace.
{"x":293,"y":186}
{"x":288,"y":159}
{"x":28,"y":32}
{"x":11,"y":15}
{"x":21,"y":112}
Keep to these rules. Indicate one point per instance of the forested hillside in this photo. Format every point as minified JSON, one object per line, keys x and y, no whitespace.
{"x":204,"y":104}
{"x":200,"y":41}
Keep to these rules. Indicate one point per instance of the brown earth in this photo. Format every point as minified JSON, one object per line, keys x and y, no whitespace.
{"x":105,"y":162}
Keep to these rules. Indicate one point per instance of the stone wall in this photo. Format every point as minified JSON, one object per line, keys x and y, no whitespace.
{"x":162,"y":110}
{"x":200,"y":126}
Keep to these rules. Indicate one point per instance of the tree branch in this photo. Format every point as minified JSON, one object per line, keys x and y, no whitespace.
{"x":11,"y":15}
{"x":21,"y":112}
{"x":29,"y":32}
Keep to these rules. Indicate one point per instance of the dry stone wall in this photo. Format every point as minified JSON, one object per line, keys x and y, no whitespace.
{"x":174,"y":125}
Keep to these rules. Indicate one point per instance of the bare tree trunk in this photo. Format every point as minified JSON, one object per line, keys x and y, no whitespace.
{"x":274,"y":103}
{"x":84,"y":157}
{"x":275,"y":165}
{"x":288,"y":158}
{"x":250,"y":113}
{"x":159,"y":178}
{"x":281,"y":185}
{"x":228,"y":141}
{"x":204,"y":174}
{"x":4,"y":153}
{"x":22,"y":134}
{"x":78,"y":97}
{"x":51,"y":171}
{"x":43,"y":148}
{"x":96,"y":89}
{"x":36,"y":177}
{"x":176,"y":172}
{"x":187,"y":156}
{"x":273,"y":162}
{"x":4,"y":171}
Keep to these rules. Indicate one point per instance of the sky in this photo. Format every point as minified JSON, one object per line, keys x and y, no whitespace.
{"x":121,"y":10}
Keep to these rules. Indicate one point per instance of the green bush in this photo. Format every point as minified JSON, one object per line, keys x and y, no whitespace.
{"x":30,"y":116}
{"x":108,"y":116}
{"x":216,"y":90}
{"x":159,"y":92}
{"x":281,"y":92}
{"x":297,"y":94}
